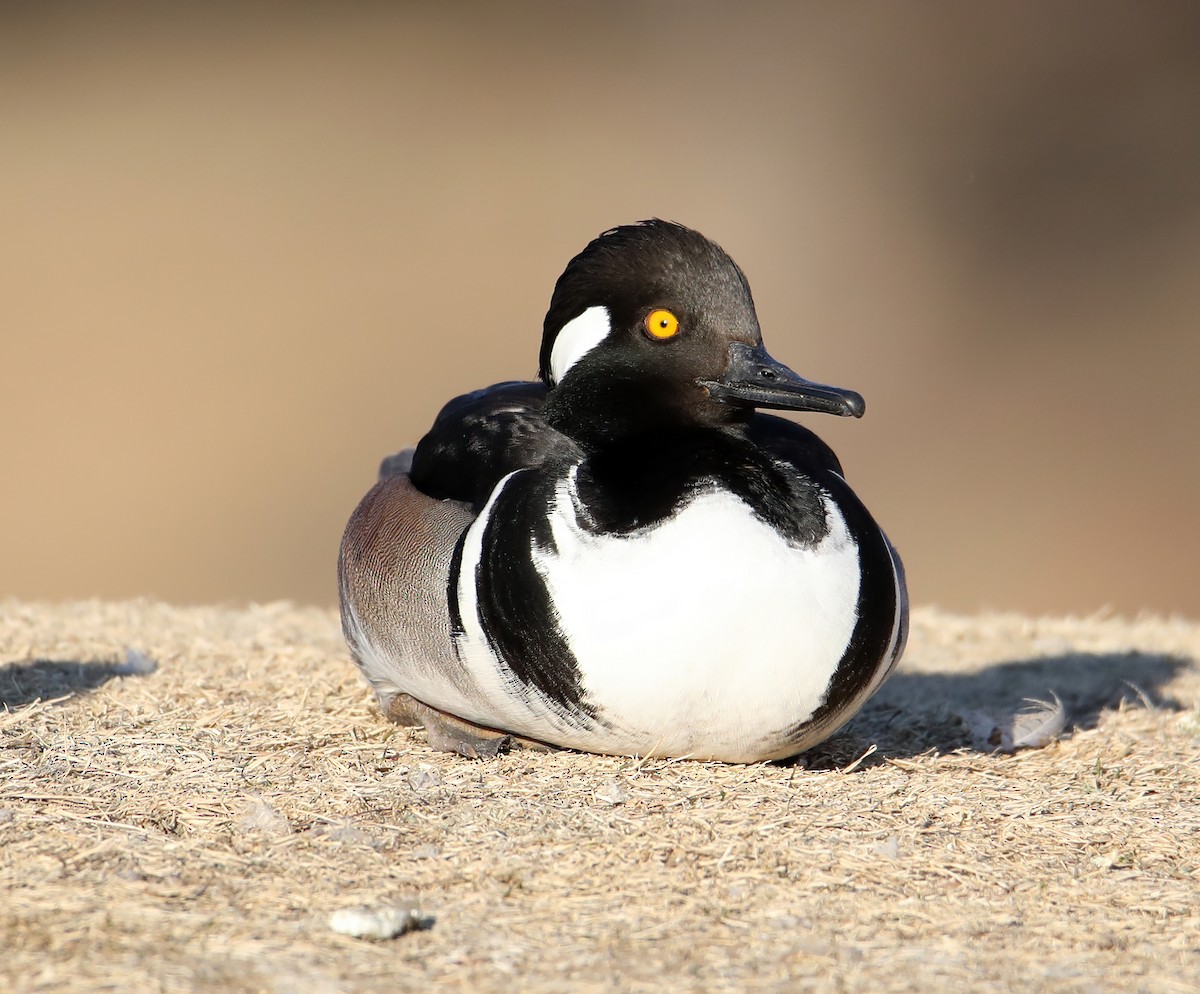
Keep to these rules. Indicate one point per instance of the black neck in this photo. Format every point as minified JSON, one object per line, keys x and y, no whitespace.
{"x":639,"y":480}
{"x":599,"y":411}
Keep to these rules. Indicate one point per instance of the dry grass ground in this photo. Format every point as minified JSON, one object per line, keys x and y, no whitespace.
{"x":193,"y":829}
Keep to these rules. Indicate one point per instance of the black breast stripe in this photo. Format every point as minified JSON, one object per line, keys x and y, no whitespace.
{"x":515,"y":610}
{"x":456,"y":624}
{"x":876,"y":619}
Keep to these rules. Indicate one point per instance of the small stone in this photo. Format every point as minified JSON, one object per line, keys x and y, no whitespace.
{"x":429,"y":851}
{"x":259,"y":818}
{"x":375,"y":924}
{"x":423,"y":779}
{"x":889,"y":848}
{"x":612,"y":793}
{"x":344,"y":832}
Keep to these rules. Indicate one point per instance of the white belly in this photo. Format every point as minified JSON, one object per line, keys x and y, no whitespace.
{"x":707,"y":636}
{"x":706,"y":633}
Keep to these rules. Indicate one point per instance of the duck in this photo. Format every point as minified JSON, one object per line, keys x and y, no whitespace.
{"x":626,"y":556}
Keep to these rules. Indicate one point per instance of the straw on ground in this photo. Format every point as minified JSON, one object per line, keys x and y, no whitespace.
{"x":194,"y":827}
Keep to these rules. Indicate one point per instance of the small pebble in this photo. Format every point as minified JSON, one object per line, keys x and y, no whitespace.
{"x":344,"y":832}
{"x":612,"y":793}
{"x":429,"y":851}
{"x":260,"y":818}
{"x":423,"y":779}
{"x":376,"y":924}
{"x":889,"y":848}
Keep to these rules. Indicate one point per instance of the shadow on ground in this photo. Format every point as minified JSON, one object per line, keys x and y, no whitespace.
{"x":48,"y":680}
{"x":917,"y":712}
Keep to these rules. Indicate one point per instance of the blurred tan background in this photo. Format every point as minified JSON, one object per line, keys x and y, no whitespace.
{"x":245,"y":253}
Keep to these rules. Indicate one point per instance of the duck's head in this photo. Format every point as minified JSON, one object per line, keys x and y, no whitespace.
{"x":653,"y":326}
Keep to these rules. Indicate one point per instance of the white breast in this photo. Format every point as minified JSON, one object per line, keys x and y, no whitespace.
{"x":703,"y":633}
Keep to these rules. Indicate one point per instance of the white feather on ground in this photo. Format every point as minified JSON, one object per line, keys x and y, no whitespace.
{"x":136,"y":663}
{"x":1037,"y":725}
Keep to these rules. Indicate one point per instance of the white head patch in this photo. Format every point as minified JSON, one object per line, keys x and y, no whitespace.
{"x":576,"y":339}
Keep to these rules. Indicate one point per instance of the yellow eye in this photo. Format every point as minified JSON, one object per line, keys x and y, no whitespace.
{"x":662,"y":324}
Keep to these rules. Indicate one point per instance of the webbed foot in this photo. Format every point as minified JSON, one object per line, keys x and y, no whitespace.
{"x":448,"y":733}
